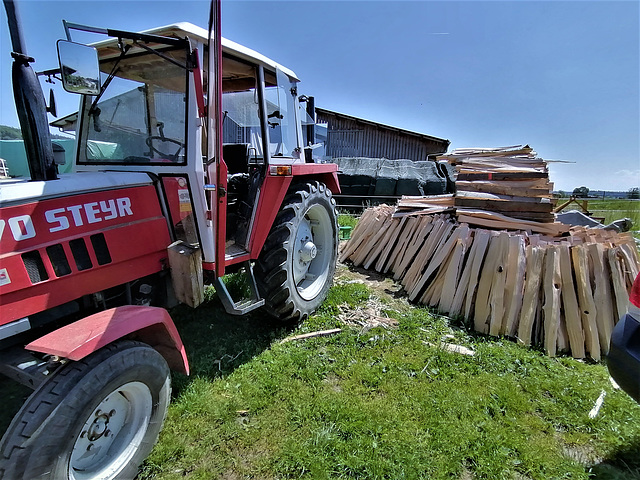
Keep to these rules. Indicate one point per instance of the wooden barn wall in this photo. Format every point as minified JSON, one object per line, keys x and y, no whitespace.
{"x":348,"y":137}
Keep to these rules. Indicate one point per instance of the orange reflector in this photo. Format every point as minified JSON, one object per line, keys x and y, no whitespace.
{"x":280,"y":170}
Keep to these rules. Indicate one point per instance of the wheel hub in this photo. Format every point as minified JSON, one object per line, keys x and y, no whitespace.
{"x":308,"y":252}
{"x":111,"y":433}
{"x":98,"y":427}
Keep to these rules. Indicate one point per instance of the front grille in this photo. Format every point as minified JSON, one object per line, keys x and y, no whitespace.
{"x":80,"y":254}
{"x":100,"y":248}
{"x":58,"y":260}
{"x":35,"y":267}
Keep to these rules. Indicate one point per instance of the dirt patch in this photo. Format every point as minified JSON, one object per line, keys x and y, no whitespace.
{"x":388,"y":291}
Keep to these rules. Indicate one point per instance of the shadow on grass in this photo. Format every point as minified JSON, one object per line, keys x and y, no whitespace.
{"x":217,"y":343}
{"x":622,"y":464}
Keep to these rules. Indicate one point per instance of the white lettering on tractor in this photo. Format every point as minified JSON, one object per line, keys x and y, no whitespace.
{"x":75,"y":212}
{"x":90,"y":212}
{"x":110,"y":208}
{"x":52,"y":217}
{"x":124,"y":206}
{"x":22,"y":227}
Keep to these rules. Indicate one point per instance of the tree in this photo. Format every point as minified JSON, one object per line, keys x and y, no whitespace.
{"x":10,"y":133}
{"x":581,"y":192}
{"x":634,"y":193}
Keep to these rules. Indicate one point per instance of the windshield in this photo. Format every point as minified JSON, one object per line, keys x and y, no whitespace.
{"x":241,"y":120}
{"x":141,"y":115}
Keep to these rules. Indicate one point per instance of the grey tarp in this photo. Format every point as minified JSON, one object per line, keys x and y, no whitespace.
{"x":382,"y":177}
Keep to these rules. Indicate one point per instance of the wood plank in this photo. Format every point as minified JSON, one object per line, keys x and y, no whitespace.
{"x":504,"y":206}
{"x":479,"y":237}
{"x":498,"y":283}
{"x":401,"y":247}
{"x":439,"y":235}
{"x":601,"y":295}
{"x":530,"y":301}
{"x":551,"y":305}
{"x":631,"y":263}
{"x":482,"y":311}
{"x":580,"y":261}
{"x":621,"y":294}
{"x":452,"y":275}
{"x":419,"y":235}
{"x":438,"y":257}
{"x":391,"y":226}
{"x":364,"y":250}
{"x":570,"y":305}
{"x":483,"y":238}
{"x":510,"y":198}
{"x":497,"y":220}
{"x":504,"y":188}
{"x":501,"y":176}
{"x":515,"y":284}
{"x":360,"y":233}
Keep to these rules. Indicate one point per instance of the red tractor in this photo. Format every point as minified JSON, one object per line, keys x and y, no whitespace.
{"x":183,"y":172}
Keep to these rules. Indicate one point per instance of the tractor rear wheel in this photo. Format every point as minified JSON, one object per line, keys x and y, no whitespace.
{"x":295,"y":268}
{"x":95,"y":418}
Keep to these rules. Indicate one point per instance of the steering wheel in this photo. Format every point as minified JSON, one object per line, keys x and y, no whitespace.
{"x":149,"y":142}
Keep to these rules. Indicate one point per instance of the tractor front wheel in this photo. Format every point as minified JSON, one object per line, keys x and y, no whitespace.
{"x":295,"y":268}
{"x":95,"y":418}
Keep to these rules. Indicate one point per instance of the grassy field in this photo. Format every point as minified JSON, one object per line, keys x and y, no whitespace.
{"x":385,"y":402}
{"x":375,"y":402}
{"x":381,"y":402}
{"x":614,"y":209}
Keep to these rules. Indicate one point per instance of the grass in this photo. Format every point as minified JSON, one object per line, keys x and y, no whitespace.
{"x":383,"y":404}
{"x":347,"y":220}
{"x":615,"y":209}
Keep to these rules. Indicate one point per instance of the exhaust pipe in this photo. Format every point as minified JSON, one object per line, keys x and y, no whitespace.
{"x":30,"y":104}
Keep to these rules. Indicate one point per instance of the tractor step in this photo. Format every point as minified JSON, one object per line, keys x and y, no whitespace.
{"x":241,"y":307}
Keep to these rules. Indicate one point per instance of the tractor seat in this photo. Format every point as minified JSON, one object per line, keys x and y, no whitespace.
{"x":236,"y":156}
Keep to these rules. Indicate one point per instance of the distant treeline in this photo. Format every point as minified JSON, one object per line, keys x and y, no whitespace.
{"x":12,"y":133}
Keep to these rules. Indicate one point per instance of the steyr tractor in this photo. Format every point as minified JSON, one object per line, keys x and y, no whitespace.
{"x":189,"y":164}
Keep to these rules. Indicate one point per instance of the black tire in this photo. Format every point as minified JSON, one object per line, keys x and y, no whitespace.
{"x":111,"y":403}
{"x":295,"y":268}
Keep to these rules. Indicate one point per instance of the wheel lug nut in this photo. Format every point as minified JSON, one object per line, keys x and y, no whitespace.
{"x":107,"y":433}
{"x":83,"y":434}
{"x":98,"y":412}
{"x":90,"y":447}
{"x":112,"y":412}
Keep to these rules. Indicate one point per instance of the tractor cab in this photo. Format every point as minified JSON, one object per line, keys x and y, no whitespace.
{"x":148,"y":114}
{"x":224,"y":150}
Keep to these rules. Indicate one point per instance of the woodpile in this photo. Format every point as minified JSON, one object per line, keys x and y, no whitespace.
{"x":508,"y":180}
{"x":542,"y":283}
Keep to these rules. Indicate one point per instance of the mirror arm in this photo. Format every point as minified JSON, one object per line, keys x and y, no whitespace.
{"x":106,"y":83}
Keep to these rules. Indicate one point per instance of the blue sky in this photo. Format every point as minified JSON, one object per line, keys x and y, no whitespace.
{"x":561,"y":76}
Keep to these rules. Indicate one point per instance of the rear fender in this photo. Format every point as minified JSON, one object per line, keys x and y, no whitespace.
{"x":275,"y":188}
{"x":151,"y":325}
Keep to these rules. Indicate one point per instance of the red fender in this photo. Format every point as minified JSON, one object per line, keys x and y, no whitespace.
{"x":150,"y":325}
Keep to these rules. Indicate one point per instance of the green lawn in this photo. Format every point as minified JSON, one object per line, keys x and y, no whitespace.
{"x":614,"y":209}
{"x":383,"y":403}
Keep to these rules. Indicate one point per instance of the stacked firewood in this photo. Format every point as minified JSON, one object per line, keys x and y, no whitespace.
{"x":508,"y":180}
{"x":556,"y":286}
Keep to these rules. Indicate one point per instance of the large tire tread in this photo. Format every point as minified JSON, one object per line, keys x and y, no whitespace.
{"x":31,"y":441}
{"x":272,"y":272}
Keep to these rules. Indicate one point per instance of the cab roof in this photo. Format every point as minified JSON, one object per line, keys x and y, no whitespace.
{"x":199,"y":34}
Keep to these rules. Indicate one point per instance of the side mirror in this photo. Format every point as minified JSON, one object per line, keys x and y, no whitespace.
{"x":79,"y":68}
